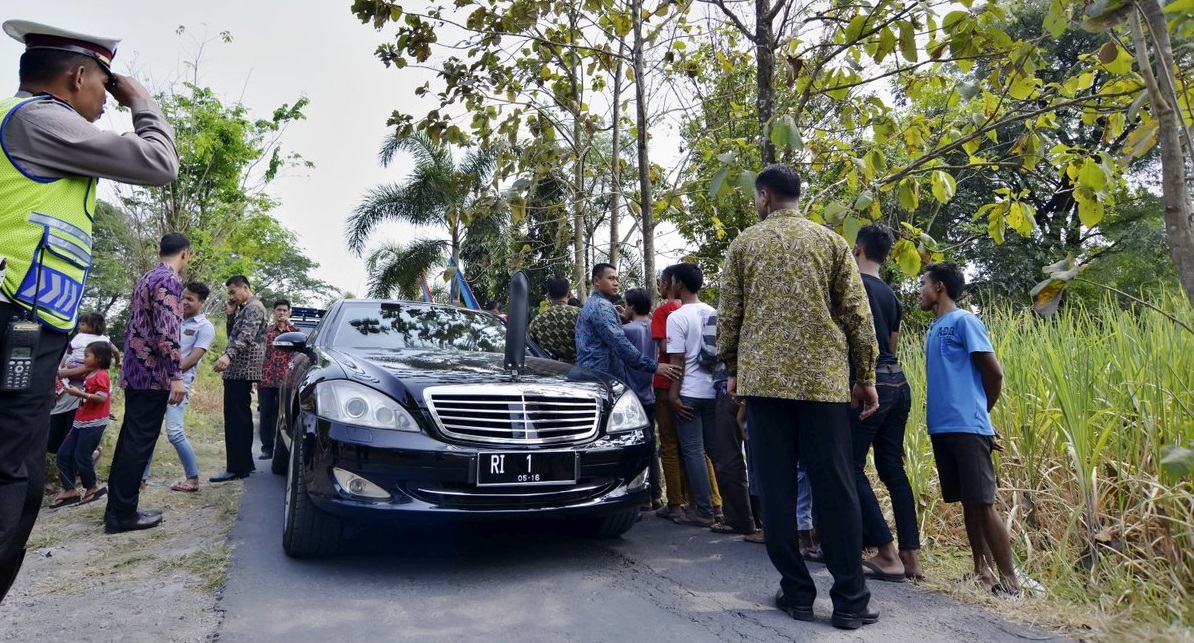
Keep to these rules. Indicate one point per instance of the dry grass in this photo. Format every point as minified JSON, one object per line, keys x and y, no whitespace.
{"x":1090,"y":400}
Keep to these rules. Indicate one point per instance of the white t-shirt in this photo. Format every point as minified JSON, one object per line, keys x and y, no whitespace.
{"x":684,"y":328}
{"x":78,"y":347}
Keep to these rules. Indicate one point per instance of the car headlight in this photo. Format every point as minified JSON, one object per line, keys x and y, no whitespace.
{"x":628,"y":414}
{"x":352,"y":403}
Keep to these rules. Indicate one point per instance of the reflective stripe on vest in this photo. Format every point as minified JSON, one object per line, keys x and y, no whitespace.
{"x":45,"y":233}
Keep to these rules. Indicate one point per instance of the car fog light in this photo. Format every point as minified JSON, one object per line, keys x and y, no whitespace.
{"x":639,"y":481}
{"x":355,"y":485}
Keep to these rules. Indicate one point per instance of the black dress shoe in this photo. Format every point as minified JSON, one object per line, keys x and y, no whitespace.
{"x":853,"y":621}
{"x":800,"y":613}
{"x":266,"y":455}
{"x":143,"y":520}
{"x":228,"y":475}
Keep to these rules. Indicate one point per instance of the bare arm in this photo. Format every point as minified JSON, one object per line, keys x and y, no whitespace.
{"x":992,"y":374}
{"x":192,"y":358}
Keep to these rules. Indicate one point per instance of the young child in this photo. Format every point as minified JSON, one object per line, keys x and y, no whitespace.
{"x":964,"y":380}
{"x":75,"y":454}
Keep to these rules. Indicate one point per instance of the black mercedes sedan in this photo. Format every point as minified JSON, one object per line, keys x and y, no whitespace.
{"x":398,"y":410}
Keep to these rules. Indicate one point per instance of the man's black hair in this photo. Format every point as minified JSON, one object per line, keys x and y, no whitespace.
{"x":558,"y":287}
{"x":493,"y":305}
{"x":639,"y":300}
{"x":667,"y":273}
{"x":949,"y":275}
{"x":690,"y":275}
{"x":574,"y":302}
{"x":876,"y":240}
{"x":282,"y":302}
{"x":173,"y":243}
{"x":780,"y":179}
{"x":238,"y":280}
{"x":96,"y":320}
{"x":200,"y":289}
{"x":599,"y":269}
{"x":46,"y":65}
{"x":102,"y":352}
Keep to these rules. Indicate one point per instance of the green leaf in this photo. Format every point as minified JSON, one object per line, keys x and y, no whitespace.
{"x":864,"y":200}
{"x":719,"y":180}
{"x":1057,"y":18}
{"x":727,"y":157}
{"x":746,"y":181}
{"x":1020,"y":219}
{"x":1090,"y":212}
{"x":908,"y":41}
{"x":850,"y":227}
{"x":944,"y":186}
{"x":1177,"y":462}
{"x":834,"y":212}
{"x":907,"y":258}
{"x":779,"y":134}
{"x":1180,"y":6}
{"x":907,"y":196}
{"x":1092,"y":175}
{"x":996,"y":222}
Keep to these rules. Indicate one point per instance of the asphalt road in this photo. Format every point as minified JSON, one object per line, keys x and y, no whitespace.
{"x":660,"y":582}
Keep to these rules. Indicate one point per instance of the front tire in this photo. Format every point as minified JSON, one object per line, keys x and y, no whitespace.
{"x":614,"y":525}
{"x":307,"y":530}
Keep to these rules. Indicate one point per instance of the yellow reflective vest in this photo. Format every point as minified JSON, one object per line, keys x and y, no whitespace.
{"x":45,"y":234}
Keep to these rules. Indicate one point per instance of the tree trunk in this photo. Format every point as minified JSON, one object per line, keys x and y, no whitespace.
{"x":765,"y":54}
{"x":615,"y":170}
{"x":1159,"y":82}
{"x":644,"y":160}
{"x":578,"y":211}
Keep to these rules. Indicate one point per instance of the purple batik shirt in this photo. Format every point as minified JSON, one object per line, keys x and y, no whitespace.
{"x":151,"y":348}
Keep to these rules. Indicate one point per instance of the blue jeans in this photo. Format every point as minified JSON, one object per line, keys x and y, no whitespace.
{"x":178,"y":438}
{"x":74,"y":456}
{"x":804,"y":500}
{"x":691,"y":436}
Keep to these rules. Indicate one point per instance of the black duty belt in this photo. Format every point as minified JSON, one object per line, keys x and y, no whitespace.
{"x":888,"y":368}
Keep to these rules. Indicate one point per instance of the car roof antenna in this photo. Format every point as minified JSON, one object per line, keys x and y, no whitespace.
{"x":516,"y":325}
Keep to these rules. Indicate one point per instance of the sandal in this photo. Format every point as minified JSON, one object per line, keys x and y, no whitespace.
{"x":92,"y":497}
{"x":178,"y":486}
{"x":722,"y":528}
{"x":813,"y":554}
{"x":57,"y":503}
{"x":872,"y":572}
{"x":756,"y":538}
{"x":999,"y":589}
{"x":693,"y":519}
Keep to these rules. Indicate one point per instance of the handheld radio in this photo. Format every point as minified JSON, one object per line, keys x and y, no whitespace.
{"x":17,"y":350}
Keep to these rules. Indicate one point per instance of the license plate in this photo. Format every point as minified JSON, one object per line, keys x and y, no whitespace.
{"x":520,"y":468}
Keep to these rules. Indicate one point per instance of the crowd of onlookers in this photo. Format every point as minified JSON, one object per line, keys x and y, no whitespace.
{"x":766,"y":408}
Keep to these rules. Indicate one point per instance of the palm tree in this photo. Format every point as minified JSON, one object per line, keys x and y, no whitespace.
{"x":439,"y":192}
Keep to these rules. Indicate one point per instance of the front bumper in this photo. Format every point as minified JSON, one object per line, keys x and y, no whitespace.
{"x":428,"y":477}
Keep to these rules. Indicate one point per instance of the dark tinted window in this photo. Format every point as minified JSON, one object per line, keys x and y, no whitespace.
{"x":385,"y":325}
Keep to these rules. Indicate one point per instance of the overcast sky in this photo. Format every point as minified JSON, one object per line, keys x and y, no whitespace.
{"x":280,"y":51}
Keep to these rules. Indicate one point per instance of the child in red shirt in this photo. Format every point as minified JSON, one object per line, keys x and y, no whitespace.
{"x":74,"y":456}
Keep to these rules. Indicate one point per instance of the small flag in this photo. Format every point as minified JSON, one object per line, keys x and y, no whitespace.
{"x":425,"y":288}
{"x":466,"y":293}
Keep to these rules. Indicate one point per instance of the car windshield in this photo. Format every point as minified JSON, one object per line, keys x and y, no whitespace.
{"x":394,"y":325}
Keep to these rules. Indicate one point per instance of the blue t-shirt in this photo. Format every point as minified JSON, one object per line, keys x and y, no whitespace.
{"x":957,"y":401}
{"x":639,"y":334}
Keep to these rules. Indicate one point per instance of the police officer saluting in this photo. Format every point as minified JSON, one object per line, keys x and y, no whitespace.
{"x":50,"y":160}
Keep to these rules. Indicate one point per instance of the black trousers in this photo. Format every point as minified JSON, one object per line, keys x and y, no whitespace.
{"x":655,"y":473}
{"x":60,"y":425}
{"x":724,"y":446}
{"x":267,"y":406}
{"x":885,"y":430}
{"x":238,"y":426}
{"x":816,"y":434}
{"x":24,"y":425}
{"x":144,"y":410}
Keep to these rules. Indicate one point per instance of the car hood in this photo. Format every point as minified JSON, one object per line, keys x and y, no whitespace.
{"x":405,"y":373}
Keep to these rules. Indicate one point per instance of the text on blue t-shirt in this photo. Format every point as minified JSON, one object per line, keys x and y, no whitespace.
{"x":957,"y":401}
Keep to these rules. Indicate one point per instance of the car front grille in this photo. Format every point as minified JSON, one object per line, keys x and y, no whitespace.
{"x":513,"y":415}
{"x":459,"y":496}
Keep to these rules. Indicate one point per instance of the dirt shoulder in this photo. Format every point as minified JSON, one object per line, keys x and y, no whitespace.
{"x":157,"y":585}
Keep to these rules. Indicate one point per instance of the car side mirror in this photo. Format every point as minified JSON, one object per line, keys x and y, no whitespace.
{"x":293,"y":342}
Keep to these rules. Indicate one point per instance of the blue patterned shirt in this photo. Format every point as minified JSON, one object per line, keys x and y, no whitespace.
{"x":602,"y":345}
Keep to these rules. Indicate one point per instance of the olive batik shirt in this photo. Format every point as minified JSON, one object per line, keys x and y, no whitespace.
{"x":793,"y":312}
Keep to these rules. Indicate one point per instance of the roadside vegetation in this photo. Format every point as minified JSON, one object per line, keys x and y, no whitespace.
{"x":1093,"y":398}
